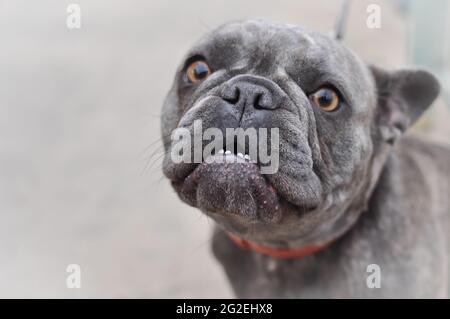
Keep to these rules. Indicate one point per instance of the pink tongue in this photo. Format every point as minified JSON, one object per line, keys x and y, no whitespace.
{"x":234,"y":188}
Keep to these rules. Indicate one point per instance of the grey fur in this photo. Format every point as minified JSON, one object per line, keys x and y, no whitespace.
{"x":347,"y":174}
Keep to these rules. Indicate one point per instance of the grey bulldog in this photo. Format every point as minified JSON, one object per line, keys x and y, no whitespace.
{"x":350,"y":191}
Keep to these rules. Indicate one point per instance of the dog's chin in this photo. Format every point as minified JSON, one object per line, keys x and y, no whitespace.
{"x":226,"y":187}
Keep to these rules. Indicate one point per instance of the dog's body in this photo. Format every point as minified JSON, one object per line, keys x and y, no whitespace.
{"x":404,"y":231}
{"x":345,"y":178}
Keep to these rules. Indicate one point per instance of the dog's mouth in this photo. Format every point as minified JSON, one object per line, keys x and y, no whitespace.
{"x":231,"y":184}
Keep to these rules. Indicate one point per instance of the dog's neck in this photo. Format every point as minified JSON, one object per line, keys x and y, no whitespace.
{"x":316,"y":241}
{"x":277,"y":252}
{"x":328,"y":232}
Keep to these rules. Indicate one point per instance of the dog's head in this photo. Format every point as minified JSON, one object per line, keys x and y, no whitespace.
{"x":335,"y":118}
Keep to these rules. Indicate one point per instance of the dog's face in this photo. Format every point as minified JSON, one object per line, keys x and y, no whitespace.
{"x":335,"y":117}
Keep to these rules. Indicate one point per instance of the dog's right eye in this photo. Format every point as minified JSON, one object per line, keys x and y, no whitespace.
{"x":197,"y":71}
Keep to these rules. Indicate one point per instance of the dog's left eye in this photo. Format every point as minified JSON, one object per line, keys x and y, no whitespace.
{"x":326,"y":98}
{"x":197,"y":71}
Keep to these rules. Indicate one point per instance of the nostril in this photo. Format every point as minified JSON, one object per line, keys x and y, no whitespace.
{"x":257,"y":102}
{"x":263,"y":101}
{"x":232,"y":95}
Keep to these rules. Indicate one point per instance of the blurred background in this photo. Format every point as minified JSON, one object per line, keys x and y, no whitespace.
{"x":80,"y":173}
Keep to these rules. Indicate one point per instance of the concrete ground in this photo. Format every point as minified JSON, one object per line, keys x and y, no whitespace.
{"x":79,"y":120}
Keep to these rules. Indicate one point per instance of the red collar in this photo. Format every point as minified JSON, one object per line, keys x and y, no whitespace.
{"x":277,"y":252}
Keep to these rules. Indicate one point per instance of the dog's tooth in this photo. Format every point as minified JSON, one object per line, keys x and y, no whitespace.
{"x":227,"y":152}
{"x":221,"y":151}
{"x":240,"y":155}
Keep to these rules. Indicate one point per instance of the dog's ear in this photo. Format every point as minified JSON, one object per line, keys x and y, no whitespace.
{"x":402,"y":98}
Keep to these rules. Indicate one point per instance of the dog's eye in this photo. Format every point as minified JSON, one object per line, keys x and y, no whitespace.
{"x":327,"y":99}
{"x":197,"y":71}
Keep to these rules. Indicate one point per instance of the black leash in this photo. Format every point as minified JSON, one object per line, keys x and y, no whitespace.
{"x":341,"y":23}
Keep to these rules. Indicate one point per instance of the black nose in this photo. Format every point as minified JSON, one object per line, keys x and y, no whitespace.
{"x":256,"y":92}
